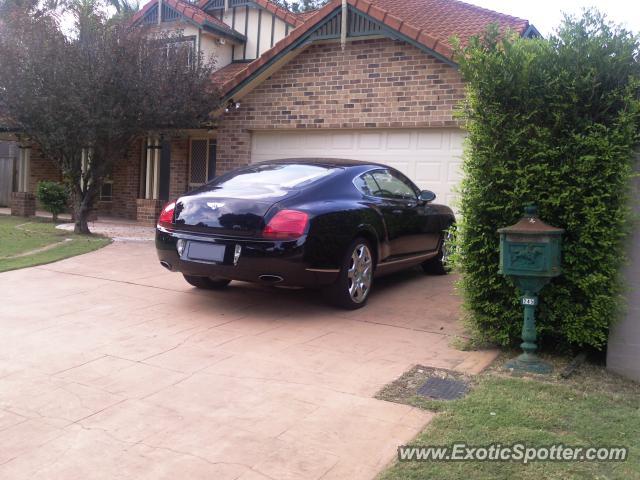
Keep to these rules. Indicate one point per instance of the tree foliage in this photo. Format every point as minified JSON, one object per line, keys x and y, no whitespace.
{"x":299,"y":6}
{"x":551,"y":121}
{"x":96,"y":91}
{"x":125,"y":8}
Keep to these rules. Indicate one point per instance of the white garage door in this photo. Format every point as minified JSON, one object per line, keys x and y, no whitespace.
{"x":430,"y":157}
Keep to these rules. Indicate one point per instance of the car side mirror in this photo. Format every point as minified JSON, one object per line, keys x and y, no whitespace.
{"x":427,"y":196}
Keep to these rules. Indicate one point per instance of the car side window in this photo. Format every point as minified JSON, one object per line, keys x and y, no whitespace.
{"x":392,"y":186}
{"x":367,"y":185}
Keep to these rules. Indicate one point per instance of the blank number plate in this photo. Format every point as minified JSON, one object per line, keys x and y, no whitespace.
{"x":205,"y":252}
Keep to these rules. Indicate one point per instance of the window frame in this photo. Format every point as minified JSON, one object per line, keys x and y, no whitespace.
{"x":394,"y":173}
{"x":189,"y":40}
{"x":210,"y":141}
{"x":108,"y":180}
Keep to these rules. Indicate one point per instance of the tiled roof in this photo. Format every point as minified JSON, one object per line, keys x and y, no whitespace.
{"x":139,"y":15}
{"x":191,"y":12}
{"x":228,"y":72}
{"x":304,"y":16}
{"x":443,"y":19}
{"x":280,"y":12}
{"x":428,"y":22}
{"x":433,"y":22}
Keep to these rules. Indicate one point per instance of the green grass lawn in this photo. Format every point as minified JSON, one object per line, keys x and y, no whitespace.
{"x":21,"y":238}
{"x":594,"y":408}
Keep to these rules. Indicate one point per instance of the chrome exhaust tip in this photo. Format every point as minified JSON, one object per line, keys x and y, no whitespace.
{"x":166,"y":265}
{"x":271,"y":278}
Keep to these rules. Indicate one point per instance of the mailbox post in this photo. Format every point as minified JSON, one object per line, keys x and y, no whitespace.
{"x":530,"y":256}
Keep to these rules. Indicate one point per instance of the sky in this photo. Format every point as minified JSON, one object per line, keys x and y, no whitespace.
{"x":546,"y":15}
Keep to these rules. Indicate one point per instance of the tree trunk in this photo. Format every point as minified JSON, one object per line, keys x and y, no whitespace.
{"x":82,"y":206}
{"x":80,"y":218}
{"x":81,"y":213}
{"x":54,"y":217}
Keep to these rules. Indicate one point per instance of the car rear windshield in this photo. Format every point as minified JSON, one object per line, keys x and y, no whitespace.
{"x":284,"y":176}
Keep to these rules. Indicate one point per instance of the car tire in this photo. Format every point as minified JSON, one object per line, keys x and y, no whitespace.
{"x":351,"y":290}
{"x":439,"y":265}
{"x":207,"y":283}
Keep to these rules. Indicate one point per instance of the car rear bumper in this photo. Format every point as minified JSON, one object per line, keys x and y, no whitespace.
{"x":266,"y":262}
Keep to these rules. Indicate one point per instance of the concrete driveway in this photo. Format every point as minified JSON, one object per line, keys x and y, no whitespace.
{"x":113,"y":368}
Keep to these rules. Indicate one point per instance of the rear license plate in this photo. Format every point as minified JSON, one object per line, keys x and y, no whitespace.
{"x":205,"y":252}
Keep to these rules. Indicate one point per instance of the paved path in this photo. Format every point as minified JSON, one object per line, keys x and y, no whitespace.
{"x":118,"y":230}
{"x":113,"y":368}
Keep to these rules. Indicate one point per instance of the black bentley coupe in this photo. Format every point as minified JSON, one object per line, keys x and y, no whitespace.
{"x":333,"y":224}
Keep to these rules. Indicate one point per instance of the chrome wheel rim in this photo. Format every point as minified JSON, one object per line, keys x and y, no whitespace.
{"x":446,"y":247}
{"x":360,"y":273}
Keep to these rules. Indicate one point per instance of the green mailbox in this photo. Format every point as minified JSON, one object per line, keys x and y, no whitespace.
{"x":530,"y":255}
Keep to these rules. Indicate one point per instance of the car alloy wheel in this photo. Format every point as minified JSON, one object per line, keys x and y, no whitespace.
{"x":441,"y":263}
{"x":360,"y":273}
{"x":446,"y":250}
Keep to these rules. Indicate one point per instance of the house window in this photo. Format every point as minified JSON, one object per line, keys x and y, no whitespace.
{"x":106,"y":191}
{"x":181,"y":46}
{"x":202,"y":161}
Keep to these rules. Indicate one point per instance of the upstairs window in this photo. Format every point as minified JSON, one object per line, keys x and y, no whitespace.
{"x":183,"y":46}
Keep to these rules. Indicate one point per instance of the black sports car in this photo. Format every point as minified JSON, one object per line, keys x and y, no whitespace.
{"x":334,"y":224}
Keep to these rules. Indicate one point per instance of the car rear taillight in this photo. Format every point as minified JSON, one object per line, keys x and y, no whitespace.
{"x":286,"y":224}
{"x":166,"y":216}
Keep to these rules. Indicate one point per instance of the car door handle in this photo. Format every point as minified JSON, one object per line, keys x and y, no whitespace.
{"x":397,"y":211}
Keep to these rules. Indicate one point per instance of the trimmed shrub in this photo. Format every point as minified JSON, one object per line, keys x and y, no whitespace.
{"x":553,"y":122}
{"x":53,"y":196}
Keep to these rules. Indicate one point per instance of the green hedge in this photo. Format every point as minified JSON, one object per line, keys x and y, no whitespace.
{"x":551,"y":121}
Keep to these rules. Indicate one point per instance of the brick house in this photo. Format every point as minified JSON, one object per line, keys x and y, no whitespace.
{"x":362,"y":79}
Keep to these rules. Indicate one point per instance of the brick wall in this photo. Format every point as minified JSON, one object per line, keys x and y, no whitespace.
{"x":148,"y":210}
{"x":41,"y":168}
{"x":23,"y":204}
{"x":372,"y":84}
{"x":126,"y":180}
{"x":126,"y":184}
{"x":178,"y":181}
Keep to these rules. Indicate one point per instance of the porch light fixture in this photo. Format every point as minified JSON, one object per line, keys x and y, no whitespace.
{"x":231,"y":105}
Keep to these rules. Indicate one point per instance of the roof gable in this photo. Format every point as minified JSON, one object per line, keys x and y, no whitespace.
{"x":272,"y":7}
{"x":426,"y":24}
{"x":179,"y":10}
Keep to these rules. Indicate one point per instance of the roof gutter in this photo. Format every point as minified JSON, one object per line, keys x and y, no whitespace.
{"x":234,"y":36}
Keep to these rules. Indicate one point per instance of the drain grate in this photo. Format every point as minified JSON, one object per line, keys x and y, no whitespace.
{"x":443,"y":389}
